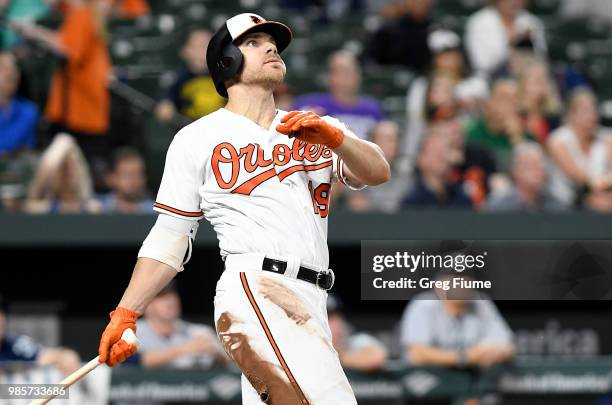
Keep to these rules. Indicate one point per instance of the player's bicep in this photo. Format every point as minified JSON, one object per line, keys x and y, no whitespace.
{"x":178,"y":193}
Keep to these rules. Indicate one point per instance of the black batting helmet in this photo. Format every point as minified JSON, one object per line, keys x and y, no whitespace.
{"x":223,"y":57}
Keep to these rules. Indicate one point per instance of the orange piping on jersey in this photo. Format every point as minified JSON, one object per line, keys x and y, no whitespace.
{"x":248,"y":186}
{"x":264,"y":325}
{"x":175,"y":211}
{"x":302,"y":168}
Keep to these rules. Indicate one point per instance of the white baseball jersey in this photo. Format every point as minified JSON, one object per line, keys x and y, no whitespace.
{"x":261,"y":190}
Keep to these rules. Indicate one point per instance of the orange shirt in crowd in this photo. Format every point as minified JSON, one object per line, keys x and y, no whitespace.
{"x":88,"y":69}
{"x":133,"y":8}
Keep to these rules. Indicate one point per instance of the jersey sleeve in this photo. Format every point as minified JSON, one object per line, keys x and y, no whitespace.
{"x":338,"y":163}
{"x":178,"y":193}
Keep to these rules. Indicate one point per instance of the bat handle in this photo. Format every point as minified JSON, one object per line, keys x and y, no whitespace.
{"x":71,"y":379}
{"x":128,"y":335}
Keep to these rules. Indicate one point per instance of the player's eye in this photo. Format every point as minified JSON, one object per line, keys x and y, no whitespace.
{"x":251,"y":42}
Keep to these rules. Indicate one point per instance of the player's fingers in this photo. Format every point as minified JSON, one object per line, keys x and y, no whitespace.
{"x":131,"y":351}
{"x":289,"y":115}
{"x":103,"y":349}
{"x":310,"y":123}
{"x":296,"y":118}
{"x":117,"y":352}
{"x":298,"y":123}
{"x":283,"y":129}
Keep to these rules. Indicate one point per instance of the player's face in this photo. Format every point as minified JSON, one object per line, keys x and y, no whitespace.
{"x":263,"y":65}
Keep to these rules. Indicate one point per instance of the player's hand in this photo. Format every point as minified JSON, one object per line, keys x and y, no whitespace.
{"x":113,"y":349}
{"x":309,"y":127}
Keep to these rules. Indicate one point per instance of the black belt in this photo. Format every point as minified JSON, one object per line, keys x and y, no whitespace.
{"x":322,"y":279}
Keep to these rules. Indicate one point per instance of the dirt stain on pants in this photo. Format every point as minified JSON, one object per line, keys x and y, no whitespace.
{"x":267,"y":378}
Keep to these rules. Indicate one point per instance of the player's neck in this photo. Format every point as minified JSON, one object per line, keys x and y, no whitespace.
{"x":255,"y":104}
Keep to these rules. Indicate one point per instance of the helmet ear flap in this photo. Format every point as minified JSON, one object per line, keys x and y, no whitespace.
{"x":230,"y":62}
{"x":224,"y":59}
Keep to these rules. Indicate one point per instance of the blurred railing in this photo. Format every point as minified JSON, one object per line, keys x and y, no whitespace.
{"x":344,"y":227}
{"x":393,"y":386}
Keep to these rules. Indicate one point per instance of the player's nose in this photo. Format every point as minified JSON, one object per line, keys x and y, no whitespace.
{"x":271,"y":48}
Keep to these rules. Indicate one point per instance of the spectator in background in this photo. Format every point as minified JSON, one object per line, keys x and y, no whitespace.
{"x":501,"y":127}
{"x":25,"y":349}
{"x":388,"y":196}
{"x":433,"y":187}
{"x":459,"y":328}
{"x":18,"y":117}
{"x":357,"y":351}
{"x":598,"y":9}
{"x":404,"y":41}
{"x":493,"y":32}
{"x":79,"y":99}
{"x":18,"y":134}
{"x":62,"y":183}
{"x":20,"y":10}
{"x":130,"y":9}
{"x":528,"y":193}
{"x":472,"y":164}
{"x":192,"y":94}
{"x":127,"y":182}
{"x":168,"y":341}
{"x":438,"y":103}
{"x":343,"y":101}
{"x":581,"y":153}
{"x":454,"y":329}
{"x":539,"y":101}
{"x":447,"y":59}
{"x":358,"y":201}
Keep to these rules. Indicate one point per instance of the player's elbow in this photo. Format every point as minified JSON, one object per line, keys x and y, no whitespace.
{"x":381,"y":174}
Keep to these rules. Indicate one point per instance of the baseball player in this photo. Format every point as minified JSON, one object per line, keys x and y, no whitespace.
{"x":262,"y":178}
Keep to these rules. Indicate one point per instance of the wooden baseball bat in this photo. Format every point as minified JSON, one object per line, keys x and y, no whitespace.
{"x":128,"y":336}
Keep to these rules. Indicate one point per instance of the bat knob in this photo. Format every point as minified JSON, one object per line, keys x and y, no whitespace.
{"x":129,"y":337}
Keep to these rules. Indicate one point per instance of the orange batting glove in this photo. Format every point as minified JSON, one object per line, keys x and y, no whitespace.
{"x":309,"y":127}
{"x":112,"y":349}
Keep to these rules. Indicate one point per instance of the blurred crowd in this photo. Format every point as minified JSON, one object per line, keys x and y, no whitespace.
{"x":487,"y":125}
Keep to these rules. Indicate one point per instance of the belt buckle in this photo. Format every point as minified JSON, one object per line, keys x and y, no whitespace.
{"x":330,"y":280}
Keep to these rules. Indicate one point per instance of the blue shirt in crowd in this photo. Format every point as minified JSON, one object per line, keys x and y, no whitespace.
{"x":360,"y":117}
{"x":18,"y":123}
{"x":18,"y":348}
{"x":421,"y":196}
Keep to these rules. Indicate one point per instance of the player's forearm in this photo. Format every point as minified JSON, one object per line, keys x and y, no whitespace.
{"x":148,"y":278}
{"x":421,"y":355}
{"x":365,"y":161}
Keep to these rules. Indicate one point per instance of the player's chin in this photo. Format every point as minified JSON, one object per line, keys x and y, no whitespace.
{"x":274,"y":78}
